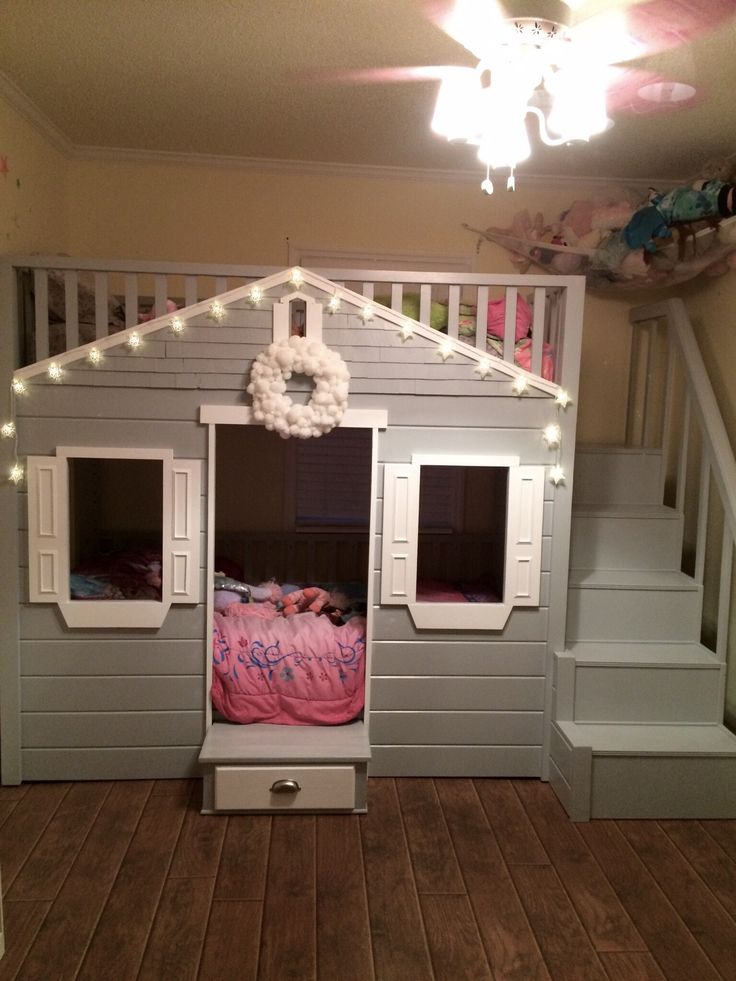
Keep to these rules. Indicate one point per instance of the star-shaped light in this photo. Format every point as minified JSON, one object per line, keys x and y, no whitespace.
{"x":18,"y":386}
{"x":296,"y":277}
{"x":7,"y":430}
{"x":334,"y":305}
{"x":94,"y":356}
{"x":16,"y":473}
{"x":519,"y":385}
{"x":483,"y":368}
{"x":134,"y":341}
{"x":367,"y":313}
{"x":176,"y":325}
{"x":562,"y":398}
{"x":406,"y":332}
{"x":216,"y":311}
{"x":552,"y":435}
{"x":445,"y":350}
{"x":556,"y":475}
{"x":55,"y":372}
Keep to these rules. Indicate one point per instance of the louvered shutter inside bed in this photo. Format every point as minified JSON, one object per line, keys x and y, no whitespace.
{"x":334,"y":479}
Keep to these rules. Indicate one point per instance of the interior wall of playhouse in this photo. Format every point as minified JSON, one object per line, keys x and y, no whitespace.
{"x":56,"y":200}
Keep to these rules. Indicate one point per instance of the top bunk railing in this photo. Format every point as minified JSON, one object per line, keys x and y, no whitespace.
{"x":673,"y":409}
{"x":532,"y":321}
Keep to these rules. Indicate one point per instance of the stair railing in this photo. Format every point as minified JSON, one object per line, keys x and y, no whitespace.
{"x":672,"y":408}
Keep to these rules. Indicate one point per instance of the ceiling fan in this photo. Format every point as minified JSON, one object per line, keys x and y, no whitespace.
{"x":571,"y":64}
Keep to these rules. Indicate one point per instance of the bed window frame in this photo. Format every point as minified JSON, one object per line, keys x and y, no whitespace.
{"x":49,"y":538}
{"x":523,"y":552}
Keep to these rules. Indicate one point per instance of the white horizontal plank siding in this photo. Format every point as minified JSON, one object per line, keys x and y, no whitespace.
{"x":181,"y":623}
{"x":65,"y":657}
{"x":456,"y":728}
{"x":400,"y":522}
{"x":48,"y":544}
{"x":459,"y":694}
{"x":461,"y":658}
{"x":91,"y":729}
{"x":456,"y":761}
{"x":116,"y":694}
{"x":111,"y":763}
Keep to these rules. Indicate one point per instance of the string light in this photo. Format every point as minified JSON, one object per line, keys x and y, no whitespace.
{"x":334,"y":305}
{"x":16,"y":474}
{"x":55,"y":372}
{"x":134,"y":341}
{"x":95,"y":356}
{"x":406,"y":332}
{"x":519,"y":385}
{"x":483,"y":368}
{"x":254,"y":297}
{"x":445,"y":350}
{"x":562,"y":398}
{"x":367,"y":313}
{"x":176,"y":325}
{"x":18,"y":386}
{"x":7,"y":430}
{"x":556,"y":474}
{"x":296,"y":277}
{"x":552,"y":435}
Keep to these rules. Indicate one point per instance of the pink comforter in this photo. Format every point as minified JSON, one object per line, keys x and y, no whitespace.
{"x":298,"y":670}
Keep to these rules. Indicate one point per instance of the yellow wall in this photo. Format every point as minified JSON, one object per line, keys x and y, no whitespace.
{"x":33,"y":191}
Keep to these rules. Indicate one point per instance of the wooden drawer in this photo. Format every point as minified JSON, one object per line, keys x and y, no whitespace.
{"x":268,"y":788}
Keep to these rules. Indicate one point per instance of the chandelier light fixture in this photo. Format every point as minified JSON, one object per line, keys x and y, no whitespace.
{"x":529,"y":66}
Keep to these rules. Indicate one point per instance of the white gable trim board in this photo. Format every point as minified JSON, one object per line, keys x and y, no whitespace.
{"x":164,"y":399}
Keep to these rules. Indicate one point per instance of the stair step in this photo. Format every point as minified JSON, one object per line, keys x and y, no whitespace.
{"x":644,"y":536}
{"x":613,"y":475}
{"x":643,"y":654}
{"x":617,"y":739}
{"x":638,"y":579}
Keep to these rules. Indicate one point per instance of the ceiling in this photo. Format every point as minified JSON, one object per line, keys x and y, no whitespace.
{"x":305,"y":80}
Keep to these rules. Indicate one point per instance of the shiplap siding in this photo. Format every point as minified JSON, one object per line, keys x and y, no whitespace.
{"x":98,"y":703}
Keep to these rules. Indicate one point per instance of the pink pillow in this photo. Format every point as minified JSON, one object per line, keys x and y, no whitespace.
{"x":497,"y":317}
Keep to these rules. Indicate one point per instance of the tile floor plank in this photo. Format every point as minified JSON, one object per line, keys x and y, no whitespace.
{"x":630,"y":966}
{"x":673,"y":947}
{"x":23,"y":828}
{"x":512,"y":827}
{"x":701,"y":912}
{"x":454,"y":942}
{"x":399,"y":946}
{"x":597,"y":905}
{"x":430,"y":846}
{"x":244,"y":857}
{"x":509,"y":942}
{"x":707,"y":857}
{"x":175,"y":945}
{"x":22,"y":921}
{"x":200,"y":843}
{"x":343,"y":937}
{"x":288,"y":937}
{"x":232,"y":941}
{"x":66,"y":931}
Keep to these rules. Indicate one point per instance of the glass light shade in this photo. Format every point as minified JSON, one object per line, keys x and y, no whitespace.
{"x":579,"y":103}
{"x":507,"y":145}
{"x":456,"y":114}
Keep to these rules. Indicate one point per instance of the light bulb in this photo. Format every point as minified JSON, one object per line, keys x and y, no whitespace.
{"x":556,"y":475}
{"x":176,"y":325}
{"x":519,"y":386}
{"x":367,"y":313}
{"x":296,"y":276}
{"x":334,"y":305}
{"x":552,"y":435}
{"x":446,"y":350}
{"x":95,"y":356}
{"x":255,"y":296}
{"x":55,"y":372}
{"x":483,"y":368}
{"x":217,"y":310}
{"x":18,"y":386}
{"x":406,"y":332}
{"x":7,"y":430}
{"x":16,"y":473}
{"x":562,"y":398}
{"x":134,"y":341}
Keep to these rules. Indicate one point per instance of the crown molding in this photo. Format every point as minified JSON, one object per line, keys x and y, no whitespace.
{"x":33,"y":115}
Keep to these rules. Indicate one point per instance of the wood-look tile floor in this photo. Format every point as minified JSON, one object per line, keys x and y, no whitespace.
{"x":442,"y":879}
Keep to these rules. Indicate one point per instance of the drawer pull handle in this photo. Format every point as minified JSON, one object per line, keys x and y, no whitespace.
{"x":285,"y":787}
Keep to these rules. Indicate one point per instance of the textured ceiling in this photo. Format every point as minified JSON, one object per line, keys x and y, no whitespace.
{"x":286,"y":80}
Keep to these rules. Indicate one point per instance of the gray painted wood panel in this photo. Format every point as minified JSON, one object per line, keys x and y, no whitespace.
{"x":42,"y":622}
{"x":395,"y":623}
{"x":98,"y":729}
{"x":397,"y":444}
{"x":458,"y":694}
{"x":130,"y":763}
{"x":456,"y":761}
{"x":117,"y":694}
{"x":456,"y":728}
{"x":113,"y":657}
{"x":41,"y":436}
{"x":453,"y":657}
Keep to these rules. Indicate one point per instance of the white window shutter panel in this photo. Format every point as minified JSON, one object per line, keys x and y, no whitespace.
{"x":524,"y":535}
{"x":48,"y":530}
{"x":400,"y":524}
{"x":182,"y":490}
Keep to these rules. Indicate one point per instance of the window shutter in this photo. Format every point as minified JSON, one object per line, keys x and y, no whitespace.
{"x":400,"y":519}
{"x":182,"y":503}
{"x":48,"y":525}
{"x":524,"y":535}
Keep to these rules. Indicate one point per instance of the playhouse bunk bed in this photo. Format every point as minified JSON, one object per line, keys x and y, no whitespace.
{"x":253,"y":602}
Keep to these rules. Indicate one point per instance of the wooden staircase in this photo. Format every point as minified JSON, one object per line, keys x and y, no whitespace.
{"x":638,"y":699}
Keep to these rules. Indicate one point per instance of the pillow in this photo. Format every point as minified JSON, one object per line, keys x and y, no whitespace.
{"x":497,"y":317}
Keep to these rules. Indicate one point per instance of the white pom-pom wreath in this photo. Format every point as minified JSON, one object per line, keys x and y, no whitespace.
{"x":271,"y":370}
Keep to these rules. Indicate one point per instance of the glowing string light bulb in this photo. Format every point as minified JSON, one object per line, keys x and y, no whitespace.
{"x":16,"y":474}
{"x":296,"y":277}
{"x":7,"y":430}
{"x":95,"y":356}
{"x":445,"y":350}
{"x":562,"y":398}
{"x":134,"y":341}
{"x":406,"y":332}
{"x":367,"y":313}
{"x":55,"y":372}
{"x":556,"y":474}
{"x":483,"y":368}
{"x":519,"y":386}
{"x":18,"y":386}
{"x":552,"y":435}
{"x":176,"y":326}
{"x":254,"y":297}
{"x":334,"y":305}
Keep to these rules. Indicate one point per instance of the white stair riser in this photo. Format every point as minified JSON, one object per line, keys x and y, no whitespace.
{"x":633,"y":614}
{"x":681,"y":787}
{"x":604,"y":542}
{"x":617,"y":478}
{"x":655,"y":694}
